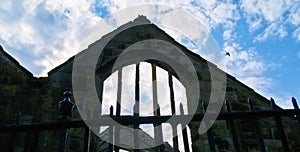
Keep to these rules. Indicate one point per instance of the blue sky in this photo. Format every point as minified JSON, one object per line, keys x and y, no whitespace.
{"x":262,"y":36}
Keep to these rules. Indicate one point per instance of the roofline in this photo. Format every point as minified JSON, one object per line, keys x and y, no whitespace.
{"x":61,"y":65}
{"x":15,"y":62}
{"x":228,"y":75}
{"x":186,"y":50}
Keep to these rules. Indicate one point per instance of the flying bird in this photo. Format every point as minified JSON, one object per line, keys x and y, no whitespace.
{"x":227,"y":53}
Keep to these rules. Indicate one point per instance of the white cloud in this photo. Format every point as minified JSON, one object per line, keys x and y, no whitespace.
{"x":216,"y":13}
{"x":50,"y":30}
{"x":259,"y":84}
{"x":109,"y":93}
{"x":273,"y":18}
{"x":270,"y":10}
{"x":115,"y":5}
{"x":266,"y":9}
{"x":254,"y":24}
{"x":229,"y":35}
{"x":43,"y":34}
{"x":284,"y":100}
{"x":296,"y":34}
{"x":247,"y":66}
{"x":273,"y":30}
{"x":294,"y":16}
{"x":294,"y":19}
{"x":128,"y":90}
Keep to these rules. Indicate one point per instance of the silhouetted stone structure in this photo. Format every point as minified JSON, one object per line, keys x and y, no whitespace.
{"x":38,"y":98}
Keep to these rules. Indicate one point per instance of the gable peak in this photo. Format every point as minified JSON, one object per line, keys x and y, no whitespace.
{"x":142,"y":19}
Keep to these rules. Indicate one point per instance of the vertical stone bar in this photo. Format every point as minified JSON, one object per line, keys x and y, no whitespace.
{"x":171,"y":93}
{"x":158,"y":137}
{"x":233,"y":130}
{"x":174,"y":126}
{"x":175,"y":137}
{"x":154,"y":89}
{"x":111,"y":132}
{"x":119,"y":92}
{"x":136,"y":108}
{"x":209,"y":133}
{"x":99,"y":89}
{"x":280,"y":128}
{"x":159,"y":134}
{"x":184,"y":132}
{"x":296,"y":107}
{"x":136,"y":133}
{"x":257,"y":129}
{"x":118,"y":110}
{"x":137,"y":90}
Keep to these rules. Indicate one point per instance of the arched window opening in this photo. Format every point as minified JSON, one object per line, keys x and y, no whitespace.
{"x":150,"y":90}
{"x":156,"y":92}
